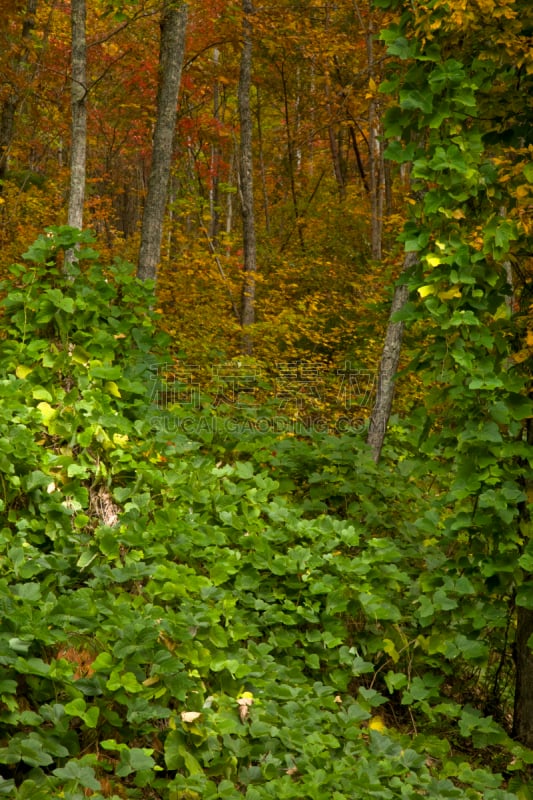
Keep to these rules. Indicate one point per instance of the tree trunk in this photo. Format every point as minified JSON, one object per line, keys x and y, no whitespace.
{"x":173,"y":28}
{"x":375,"y":159}
{"x":336,"y":159}
{"x":291,"y":159}
{"x":216,"y":156}
{"x":12,"y":100}
{"x":333,"y":141}
{"x":78,"y":101}
{"x":523,"y":698}
{"x":229,"y":197}
{"x":246,"y":181}
{"x":262,"y":164}
{"x":388,"y":367}
{"x":360,"y":167}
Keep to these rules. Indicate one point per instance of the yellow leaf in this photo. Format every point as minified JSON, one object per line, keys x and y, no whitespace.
{"x":47,"y":411}
{"x":22,"y":371}
{"x":112,"y":388}
{"x":372,"y":84}
{"x":390,"y":648}
{"x":424,"y":291}
{"x":450,"y":294}
{"x":377,"y":724}
{"x":529,"y":338}
{"x":433,"y":261}
{"x":458,"y":214}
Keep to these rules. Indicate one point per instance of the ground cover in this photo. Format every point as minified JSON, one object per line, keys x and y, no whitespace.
{"x":219,"y":611}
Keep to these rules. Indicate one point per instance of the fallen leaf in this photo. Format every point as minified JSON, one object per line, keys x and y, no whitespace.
{"x":190,"y":716}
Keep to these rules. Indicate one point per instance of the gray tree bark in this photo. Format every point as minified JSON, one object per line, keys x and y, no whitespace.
{"x":246,"y":182}
{"x":388,"y":367}
{"x":78,"y":102}
{"x":172,"y":49}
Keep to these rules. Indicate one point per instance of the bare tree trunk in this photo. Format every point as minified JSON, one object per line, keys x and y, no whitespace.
{"x":13,"y":98}
{"x":335,"y":157}
{"x":246,"y":181}
{"x":291,"y":158}
{"x":388,"y":367}
{"x":387,"y":180}
{"x":375,"y":155}
{"x":375,"y":158}
{"x":358,"y":159}
{"x":262,"y":164}
{"x":523,"y":649}
{"x":523,"y":700}
{"x":214,"y":198}
{"x":173,"y":29}
{"x":78,"y":147}
{"x":7,"y":128}
{"x":229,"y":197}
{"x":333,"y":141}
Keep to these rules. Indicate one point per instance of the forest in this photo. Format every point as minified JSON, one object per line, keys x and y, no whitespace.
{"x":266,"y":409}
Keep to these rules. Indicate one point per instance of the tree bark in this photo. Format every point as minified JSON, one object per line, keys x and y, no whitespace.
{"x":172,"y":49}
{"x":336,"y":160}
{"x":388,"y":367}
{"x":246,"y":182}
{"x":375,"y":159}
{"x":291,"y":159}
{"x":216,"y":156}
{"x":78,"y":101}
{"x":262,"y":164}
{"x":523,"y":698}
{"x":13,"y":98}
{"x":360,"y":167}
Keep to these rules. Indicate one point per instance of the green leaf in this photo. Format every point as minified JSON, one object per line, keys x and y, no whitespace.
{"x":524,"y":595}
{"x":416,"y":100}
{"x":105,"y":372}
{"x":82,"y":775}
{"x":134,"y":759}
{"x":123,"y":680}
{"x":400,"y":47}
{"x":173,"y":750}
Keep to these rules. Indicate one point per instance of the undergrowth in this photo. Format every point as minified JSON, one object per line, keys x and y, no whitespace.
{"x":220,"y":612}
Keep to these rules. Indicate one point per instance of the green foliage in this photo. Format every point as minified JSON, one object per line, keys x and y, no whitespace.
{"x":220,"y":616}
{"x":468,"y":231}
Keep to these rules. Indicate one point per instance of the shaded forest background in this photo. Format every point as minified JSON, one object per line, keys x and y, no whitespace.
{"x":328,"y":207}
